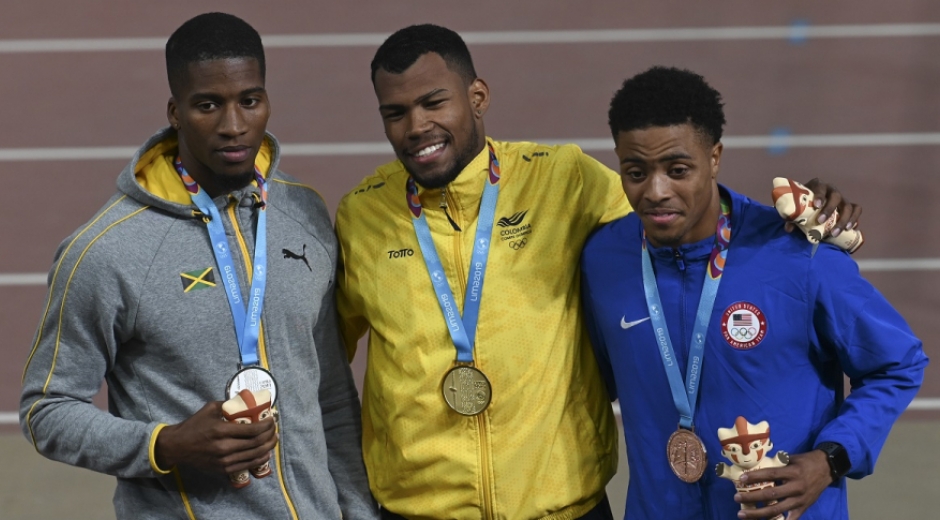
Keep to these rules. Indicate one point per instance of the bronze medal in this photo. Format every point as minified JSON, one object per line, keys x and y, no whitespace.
{"x":686,"y":455}
{"x":466,"y":390}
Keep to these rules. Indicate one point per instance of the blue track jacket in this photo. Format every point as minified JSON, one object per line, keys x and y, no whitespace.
{"x":808,"y":319}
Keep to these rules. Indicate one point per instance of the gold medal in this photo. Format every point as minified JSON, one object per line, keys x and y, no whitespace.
{"x":466,"y":390}
{"x":686,"y":455}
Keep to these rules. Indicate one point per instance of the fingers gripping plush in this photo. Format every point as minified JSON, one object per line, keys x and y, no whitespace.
{"x":246,"y":408}
{"x":747,"y":445}
{"x":794,"y":202}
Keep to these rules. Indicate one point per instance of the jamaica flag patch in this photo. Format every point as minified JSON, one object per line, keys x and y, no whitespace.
{"x":198,"y":279}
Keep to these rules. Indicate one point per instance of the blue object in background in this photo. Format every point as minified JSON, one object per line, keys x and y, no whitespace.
{"x":779,"y":141}
{"x":799,"y":32}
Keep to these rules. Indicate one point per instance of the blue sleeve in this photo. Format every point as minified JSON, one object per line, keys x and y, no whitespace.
{"x":597,"y":338}
{"x":875,"y":348}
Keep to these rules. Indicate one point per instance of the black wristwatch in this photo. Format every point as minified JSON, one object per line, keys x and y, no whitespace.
{"x":838,"y":459}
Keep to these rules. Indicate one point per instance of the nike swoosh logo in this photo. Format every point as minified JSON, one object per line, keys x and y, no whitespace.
{"x":624,"y":324}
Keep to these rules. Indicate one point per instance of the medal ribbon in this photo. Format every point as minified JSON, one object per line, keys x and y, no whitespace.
{"x":686,"y":395}
{"x":247,"y":323}
{"x":462,"y":330}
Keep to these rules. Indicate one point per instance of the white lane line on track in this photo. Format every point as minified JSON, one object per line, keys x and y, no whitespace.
{"x":17,"y":279}
{"x":690,"y":34}
{"x":899,"y":264}
{"x":867,"y":265}
{"x":777,"y":142}
{"x":925,"y":403}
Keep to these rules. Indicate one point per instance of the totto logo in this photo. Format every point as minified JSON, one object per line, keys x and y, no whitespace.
{"x":401,"y":253}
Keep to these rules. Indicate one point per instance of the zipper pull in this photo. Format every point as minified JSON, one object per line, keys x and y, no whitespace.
{"x":680,"y":261}
{"x":444,"y":207}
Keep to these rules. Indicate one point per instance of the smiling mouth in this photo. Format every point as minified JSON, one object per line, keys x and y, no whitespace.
{"x":428,"y":150}
{"x":428,"y":154}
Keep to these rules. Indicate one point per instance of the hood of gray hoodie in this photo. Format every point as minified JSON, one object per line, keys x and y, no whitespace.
{"x":129,"y":185}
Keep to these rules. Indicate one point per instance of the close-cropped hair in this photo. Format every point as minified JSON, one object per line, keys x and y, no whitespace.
{"x":403,"y":48}
{"x":210,"y":36}
{"x":667,"y":96}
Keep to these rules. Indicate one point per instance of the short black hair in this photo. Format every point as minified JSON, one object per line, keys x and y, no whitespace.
{"x":403,"y":48}
{"x":666,"y":96}
{"x":210,"y":36}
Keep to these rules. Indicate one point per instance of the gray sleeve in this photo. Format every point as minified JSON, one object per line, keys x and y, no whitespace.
{"x":85,"y":317}
{"x":342,"y":426}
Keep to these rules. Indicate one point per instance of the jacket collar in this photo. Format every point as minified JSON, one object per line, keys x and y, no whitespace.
{"x":466,"y":190}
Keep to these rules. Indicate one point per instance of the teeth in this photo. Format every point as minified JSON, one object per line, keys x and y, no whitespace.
{"x":429,"y":150}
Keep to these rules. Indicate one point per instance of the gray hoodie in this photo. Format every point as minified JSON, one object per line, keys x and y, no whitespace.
{"x":130,"y":302}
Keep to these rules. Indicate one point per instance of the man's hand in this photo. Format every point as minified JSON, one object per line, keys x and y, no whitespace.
{"x":206,"y":442}
{"x":829,"y":198}
{"x":804,"y":479}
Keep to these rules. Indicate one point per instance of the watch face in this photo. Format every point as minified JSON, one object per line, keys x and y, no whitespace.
{"x":838,"y":458}
{"x":841,"y":462}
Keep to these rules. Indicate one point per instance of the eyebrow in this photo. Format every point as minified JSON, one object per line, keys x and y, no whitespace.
{"x":667,"y":158}
{"x":417,"y":101}
{"x":213,"y":95}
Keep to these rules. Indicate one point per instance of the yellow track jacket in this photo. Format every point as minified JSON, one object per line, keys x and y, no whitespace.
{"x":547,"y":444}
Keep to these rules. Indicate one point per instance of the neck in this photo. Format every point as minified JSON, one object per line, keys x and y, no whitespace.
{"x":463,"y":161}
{"x":213,"y":184}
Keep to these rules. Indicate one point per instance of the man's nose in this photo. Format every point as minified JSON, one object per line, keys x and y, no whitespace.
{"x":418,"y":124}
{"x":660,"y":187}
{"x":232,"y":122}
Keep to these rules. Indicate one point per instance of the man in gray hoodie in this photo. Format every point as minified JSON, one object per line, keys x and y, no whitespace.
{"x":178,"y":283}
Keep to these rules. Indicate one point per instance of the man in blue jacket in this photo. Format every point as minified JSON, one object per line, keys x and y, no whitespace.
{"x":704,"y":310}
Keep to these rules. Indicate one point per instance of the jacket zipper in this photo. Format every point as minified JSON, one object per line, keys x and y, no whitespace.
{"x":262,"y":350}
{"x":680,"y":263}
{"x":485,"y":464}
{"x":444,"y":207}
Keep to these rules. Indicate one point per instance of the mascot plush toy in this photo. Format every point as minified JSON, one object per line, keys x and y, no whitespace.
{"x":747,"y":446}
{"x":794,"y":202}
{"x":246,"y":408}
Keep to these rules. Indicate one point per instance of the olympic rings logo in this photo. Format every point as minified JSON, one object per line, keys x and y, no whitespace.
{"x":743,"y":333}
{"x":743,"y":325}
{"x":518,"y":244}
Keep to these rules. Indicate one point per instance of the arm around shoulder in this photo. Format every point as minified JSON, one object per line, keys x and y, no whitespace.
{"x":602,"y":193}
{"x":349,"y":304}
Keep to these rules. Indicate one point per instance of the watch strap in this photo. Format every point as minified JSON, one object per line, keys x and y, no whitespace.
{"x":837,"y":457}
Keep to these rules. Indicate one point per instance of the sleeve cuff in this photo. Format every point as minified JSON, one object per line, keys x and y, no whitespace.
{"x":152,"y":452}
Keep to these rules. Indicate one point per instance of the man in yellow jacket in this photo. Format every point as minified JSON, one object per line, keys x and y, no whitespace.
{"x":482,"y":397}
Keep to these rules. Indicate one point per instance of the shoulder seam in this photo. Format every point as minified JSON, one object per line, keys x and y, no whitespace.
{"x":300,"y":185}
{"x":55,"y":275}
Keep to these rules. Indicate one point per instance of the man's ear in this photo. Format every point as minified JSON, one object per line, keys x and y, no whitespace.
{"x":716,"y":158}
{"x":479,"y":93}
{"x":172,"y":113}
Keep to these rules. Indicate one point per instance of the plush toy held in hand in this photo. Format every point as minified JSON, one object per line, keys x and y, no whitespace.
{"x":794,"y":202}
{"x":747,"y":446}
{"x":246,"y":408}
